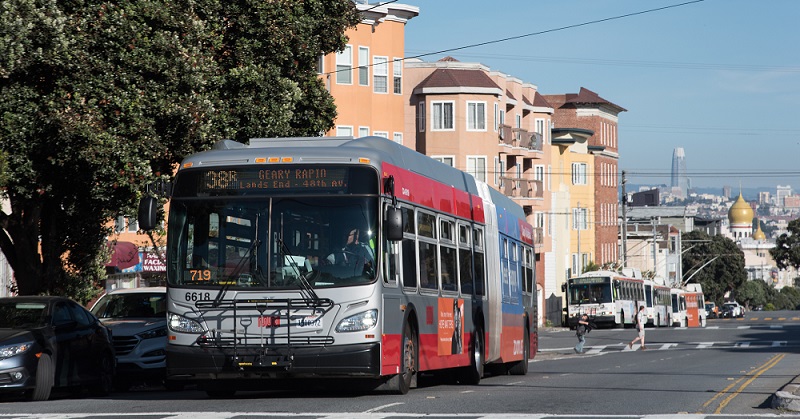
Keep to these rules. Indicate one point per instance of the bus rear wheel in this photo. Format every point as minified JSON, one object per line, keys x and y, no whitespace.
{"x":521,"y":367}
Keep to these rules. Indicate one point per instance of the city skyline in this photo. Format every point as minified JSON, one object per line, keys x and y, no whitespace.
{"x":686,"y":72}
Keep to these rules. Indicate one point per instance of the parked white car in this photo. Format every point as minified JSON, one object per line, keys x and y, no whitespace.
{"x":732,"y":309}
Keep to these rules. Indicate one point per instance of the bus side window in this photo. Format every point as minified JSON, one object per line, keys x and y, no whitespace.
{"x":409,"y":263}
{"x":480,"y":262}
{"x":465,"y":259}
{"x":409,"y":249}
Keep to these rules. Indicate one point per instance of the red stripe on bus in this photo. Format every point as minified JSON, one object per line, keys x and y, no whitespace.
{"x":421,"y":190}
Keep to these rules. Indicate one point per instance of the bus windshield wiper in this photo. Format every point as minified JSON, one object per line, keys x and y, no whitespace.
{"x":305,"y":287}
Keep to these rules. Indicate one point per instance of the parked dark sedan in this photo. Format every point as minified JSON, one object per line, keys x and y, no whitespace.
{"x":48,"y":342}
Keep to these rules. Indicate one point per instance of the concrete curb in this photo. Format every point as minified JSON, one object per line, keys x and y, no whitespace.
{"x":787,"y":398}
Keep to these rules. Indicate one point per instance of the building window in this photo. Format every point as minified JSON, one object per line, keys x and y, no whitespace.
{"x":448,"y":160}
{"x":476,"y":116}
{"x":497,"y":170}
{"x":397,"y":72}
{"x":442,"y":116}
{"x":344,"y":66}
{"x":133,"y":224}
{"x":496,"y":117}
{"x":539,"y":220}
{"x":363,"y":66}
{"x":380,"y":72}
{"x":398,"y":137}
{"x":579,"y":218}
{"x":363,"y":131}
{"x":119,"y":224}
{"x":538,"y":173}
{"x":344,"y":131}
{"x":384,"y":134}
{"x":320,"y":64}
{"x":579,"y":173}
{"x":421,"y":117}
{"x":476,"y":166}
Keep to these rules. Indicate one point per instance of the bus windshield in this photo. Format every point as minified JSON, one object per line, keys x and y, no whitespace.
{"x":272,"y":243}
{"x":583,"y":291}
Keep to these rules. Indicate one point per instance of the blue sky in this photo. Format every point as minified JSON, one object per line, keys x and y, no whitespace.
{"x":720,"y":78}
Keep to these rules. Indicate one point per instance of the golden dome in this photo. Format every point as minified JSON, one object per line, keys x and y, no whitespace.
{"x":740,"y":212}
{"x":759,"y":235}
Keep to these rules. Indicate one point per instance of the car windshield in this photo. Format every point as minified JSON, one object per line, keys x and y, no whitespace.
{"x":17,"y":315}
{"x":134,"y":305}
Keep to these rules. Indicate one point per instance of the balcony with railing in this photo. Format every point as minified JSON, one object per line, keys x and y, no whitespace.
{"x":518,"y":141}
{"x":521,"y":188}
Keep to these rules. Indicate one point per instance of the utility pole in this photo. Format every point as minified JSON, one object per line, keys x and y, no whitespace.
{"x":624,"y":200}
{"x":655,"y":247}
{"x":579,"y":220}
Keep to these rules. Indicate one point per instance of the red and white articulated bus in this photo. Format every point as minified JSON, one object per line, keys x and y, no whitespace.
{"x":313,"y":258}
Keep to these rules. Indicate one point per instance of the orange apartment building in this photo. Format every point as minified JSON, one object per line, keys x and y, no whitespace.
{"x":366,"y":79}
{"x":490,"y":125}
{"x":586,"y":110}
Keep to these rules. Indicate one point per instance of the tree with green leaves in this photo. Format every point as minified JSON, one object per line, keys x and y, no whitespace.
{"x":714,"y":262}
{"x":754,"y":293}
{"x":787,"y":247}
{"x":98,"y":99}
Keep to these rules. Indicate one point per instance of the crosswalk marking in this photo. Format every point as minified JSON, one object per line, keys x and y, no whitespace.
{"x":663,"y":346}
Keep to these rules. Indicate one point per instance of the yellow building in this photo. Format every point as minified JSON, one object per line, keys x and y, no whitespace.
{"x":573,"y":201}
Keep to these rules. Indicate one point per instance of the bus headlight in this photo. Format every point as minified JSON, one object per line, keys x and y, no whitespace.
{"x":359,"y":322}
{"x":178,"y":323}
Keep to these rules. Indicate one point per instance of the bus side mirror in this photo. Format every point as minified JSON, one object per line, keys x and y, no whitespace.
{"x":394,"y":224}
{"x":148,"y":212}
{"x":564,"y":287}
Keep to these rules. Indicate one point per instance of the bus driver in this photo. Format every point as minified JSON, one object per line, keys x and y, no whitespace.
{"x":354,"y":252}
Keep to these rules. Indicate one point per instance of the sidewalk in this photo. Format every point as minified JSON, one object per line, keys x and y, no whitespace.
{"x":788,"y":398}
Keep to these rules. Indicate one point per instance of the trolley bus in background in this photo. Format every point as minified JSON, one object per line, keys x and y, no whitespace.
{"x":341,"y":258}
{"x":677,"y":307}
{"x":657,"y":303}
{"x":608,"y":297}
{"x":695,"y":306}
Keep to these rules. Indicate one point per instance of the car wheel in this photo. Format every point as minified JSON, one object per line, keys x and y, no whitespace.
{"x":44,"y":379}
{"x":105,"y":377}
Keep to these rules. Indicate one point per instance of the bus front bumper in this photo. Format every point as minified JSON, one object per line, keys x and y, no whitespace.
{"x":195,"y":363}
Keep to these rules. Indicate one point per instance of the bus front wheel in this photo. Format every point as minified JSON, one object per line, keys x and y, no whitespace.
{"x":408,"y":361}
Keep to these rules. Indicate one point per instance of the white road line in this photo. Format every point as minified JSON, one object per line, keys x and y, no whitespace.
{"x":375,"y":409}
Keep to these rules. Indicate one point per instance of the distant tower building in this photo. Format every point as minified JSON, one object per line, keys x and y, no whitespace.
{"x":680,"y":182}
{"x":764,"y":197}
{"x":781,"y":193}
{"x":726,"y":192}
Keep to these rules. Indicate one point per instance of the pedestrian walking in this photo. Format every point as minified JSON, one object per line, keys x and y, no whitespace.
{"x":640,"y":320}
{"x":580,"y":330}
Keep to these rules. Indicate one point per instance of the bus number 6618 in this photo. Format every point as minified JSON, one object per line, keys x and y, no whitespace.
{"x":198,"y":296}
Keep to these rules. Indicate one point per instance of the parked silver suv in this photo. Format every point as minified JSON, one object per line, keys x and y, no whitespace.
{"x":137,"y":318}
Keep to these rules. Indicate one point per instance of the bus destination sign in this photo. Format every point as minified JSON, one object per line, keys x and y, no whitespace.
{"x":259,"y":179}
{"x":591,"y":280}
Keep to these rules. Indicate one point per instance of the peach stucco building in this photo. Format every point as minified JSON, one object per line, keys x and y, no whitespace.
{"x":491,"y":125}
